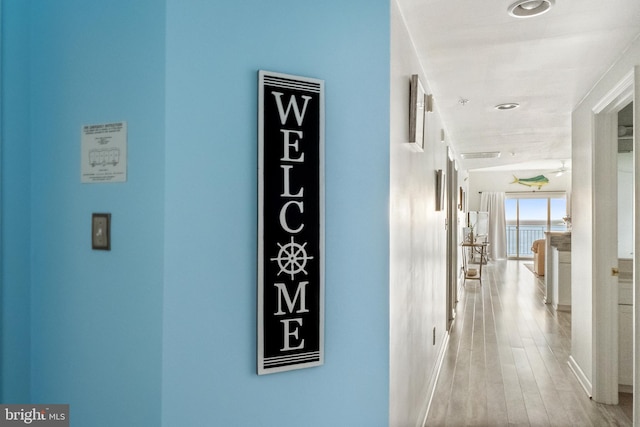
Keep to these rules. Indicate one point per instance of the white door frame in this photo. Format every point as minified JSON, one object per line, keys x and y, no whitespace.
{"x":452,"y":238}
{"x":636,"y":250}
{"x":605,"y":250}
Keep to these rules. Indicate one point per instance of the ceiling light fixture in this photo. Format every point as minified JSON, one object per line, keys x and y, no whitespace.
{"x":481,"y":155}
{"x":507,"y":106}
{"x":530,"y":8}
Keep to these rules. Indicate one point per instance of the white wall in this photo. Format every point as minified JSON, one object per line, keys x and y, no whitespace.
{"x":480,"y":181}
{"x":417,"y":244}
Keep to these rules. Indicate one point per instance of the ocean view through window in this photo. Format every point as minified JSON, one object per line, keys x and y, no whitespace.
{"x":528,"y":216}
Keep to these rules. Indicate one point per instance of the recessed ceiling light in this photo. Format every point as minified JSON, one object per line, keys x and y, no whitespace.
{"x":530,"y":8}
{"x":481,"y":155}
{"x":507,"y":106}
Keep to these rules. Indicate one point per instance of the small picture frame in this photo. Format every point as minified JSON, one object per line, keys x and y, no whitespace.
{"x":464,"y":201}
{"x":466,"y":234}
{"x":417,"y":107}
{"x":440,"y":189}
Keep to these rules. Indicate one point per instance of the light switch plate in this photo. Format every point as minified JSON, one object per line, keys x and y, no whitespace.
{"x":101,"y":231}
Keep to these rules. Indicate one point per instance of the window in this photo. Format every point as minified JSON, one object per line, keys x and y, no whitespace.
{"x":528,"y":216}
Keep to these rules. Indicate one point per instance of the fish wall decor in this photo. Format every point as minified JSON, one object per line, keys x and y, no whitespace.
{"x":536,"y":181}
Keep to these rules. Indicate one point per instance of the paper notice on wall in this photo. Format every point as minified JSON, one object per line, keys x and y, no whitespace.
{"x":104,"y":153}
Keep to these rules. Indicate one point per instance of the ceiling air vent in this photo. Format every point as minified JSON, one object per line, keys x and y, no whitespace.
{"x":481,"y":155}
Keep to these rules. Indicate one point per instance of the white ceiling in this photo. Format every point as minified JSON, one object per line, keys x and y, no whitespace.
{"x":474,"y":50}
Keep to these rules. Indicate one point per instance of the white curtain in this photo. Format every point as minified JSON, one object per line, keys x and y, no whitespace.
{"x":493,"y":202}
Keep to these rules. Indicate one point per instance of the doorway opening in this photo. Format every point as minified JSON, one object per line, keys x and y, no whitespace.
{"x":605,"y":300}
{"x":625,"y":257}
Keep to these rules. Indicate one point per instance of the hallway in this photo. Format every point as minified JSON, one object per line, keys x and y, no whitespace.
{"x":506,"y":363}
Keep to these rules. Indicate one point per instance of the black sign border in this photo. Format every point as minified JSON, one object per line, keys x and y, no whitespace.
{"x":261,"y":369}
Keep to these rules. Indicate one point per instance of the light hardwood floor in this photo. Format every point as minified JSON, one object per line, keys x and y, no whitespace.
{"x":506,"y":362}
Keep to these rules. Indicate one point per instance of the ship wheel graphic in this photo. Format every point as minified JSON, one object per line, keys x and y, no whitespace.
{"x":292,"y":258}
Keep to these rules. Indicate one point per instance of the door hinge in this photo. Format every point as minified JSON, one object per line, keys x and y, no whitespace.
{"x":615,"y":271}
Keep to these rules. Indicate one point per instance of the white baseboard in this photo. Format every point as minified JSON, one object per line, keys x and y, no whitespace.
{"x":582,"y":378}
{"x":624,"y":388}
{"x":434,"y":378}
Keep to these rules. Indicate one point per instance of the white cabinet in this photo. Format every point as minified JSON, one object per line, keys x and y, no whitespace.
{"x":625,"y":325}
{"x":625,"y":346}
{"x":561,"y":276}
{"x":557,"y":269}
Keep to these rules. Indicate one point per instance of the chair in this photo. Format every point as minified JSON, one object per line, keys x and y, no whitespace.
{"x":538,"y":256}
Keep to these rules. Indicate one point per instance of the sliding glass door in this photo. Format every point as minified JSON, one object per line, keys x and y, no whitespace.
{"x":528,"y":216}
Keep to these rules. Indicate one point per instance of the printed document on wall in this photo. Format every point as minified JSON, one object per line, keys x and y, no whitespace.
{"x":104,"y":153}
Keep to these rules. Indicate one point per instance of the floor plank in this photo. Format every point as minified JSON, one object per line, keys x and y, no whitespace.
{"x":506,"y":361}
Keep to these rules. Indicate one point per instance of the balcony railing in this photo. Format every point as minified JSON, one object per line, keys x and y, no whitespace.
{"x":520,"y":238}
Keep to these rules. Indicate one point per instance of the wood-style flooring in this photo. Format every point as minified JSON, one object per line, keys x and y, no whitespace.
{"x":506,"y":361}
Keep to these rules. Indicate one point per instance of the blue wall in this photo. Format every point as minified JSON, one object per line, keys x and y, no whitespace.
{"x":164,"y":325}
{"x":214,"y":51}
{"x":15,"y":320}
{"x":96,"y":317}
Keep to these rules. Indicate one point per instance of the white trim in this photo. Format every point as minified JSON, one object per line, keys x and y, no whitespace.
{"x":618,"y":97}
{"x":535,"y":195}
{"x":581,"y":377}
{"x":605,"y":253}
{"x":431,"y":391}
{"x":605,"y":289}
{"x":636,"y":252}
{"x":625,"y":388}
{"x":566,"y":308}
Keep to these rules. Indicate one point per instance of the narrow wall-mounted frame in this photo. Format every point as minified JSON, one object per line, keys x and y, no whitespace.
{"x":290,"y":313}
{"x":417,"y":104}
{"x":440,"y":189}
